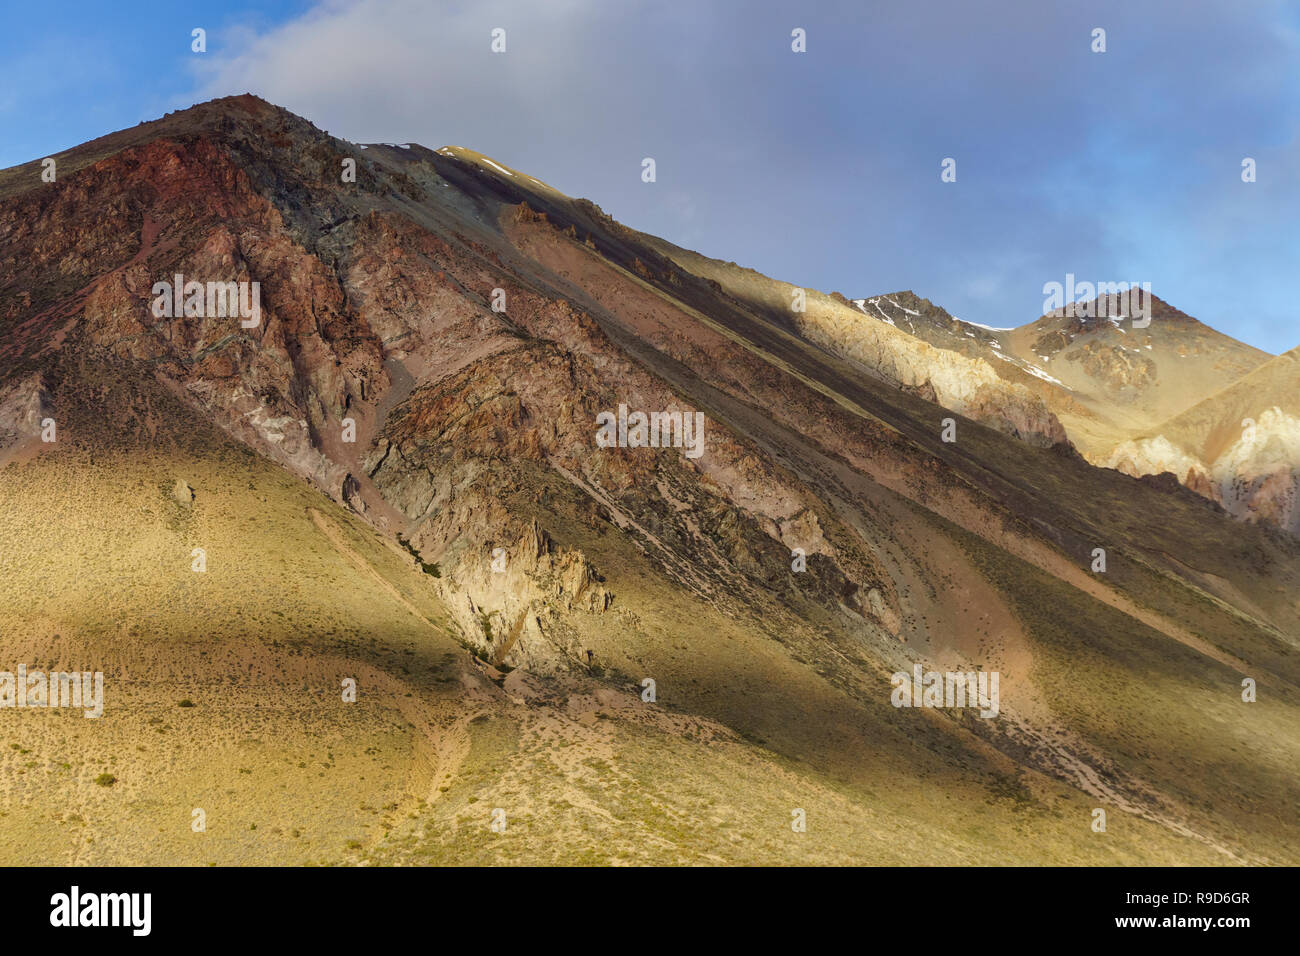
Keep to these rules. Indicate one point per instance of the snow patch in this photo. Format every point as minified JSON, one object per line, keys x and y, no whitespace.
{"x":876,"y":305}
{"x":498,"y":168}
{"x":901,"y":308}
{"x":1031,"y":369}
{"x":862,"y":304}
{"x":1035,"y":370}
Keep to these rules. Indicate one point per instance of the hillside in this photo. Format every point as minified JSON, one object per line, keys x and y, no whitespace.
{"x":396,"y":477}
{"x":1240,"y":447}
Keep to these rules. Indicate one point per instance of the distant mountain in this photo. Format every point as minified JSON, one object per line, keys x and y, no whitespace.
{"x":925,"y":320}
{"x":1164,"y":397}
{"x":1129,"y":378}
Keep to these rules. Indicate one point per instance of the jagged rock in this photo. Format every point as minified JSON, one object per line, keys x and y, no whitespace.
{"x":183,"y":493}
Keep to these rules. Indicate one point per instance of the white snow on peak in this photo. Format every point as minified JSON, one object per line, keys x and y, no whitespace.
{"x":875,"y":304}
{"x":498,"y":168}
{"x":1031,"y":369}
{"x":902,"y":308}
{"x":987,"y":328}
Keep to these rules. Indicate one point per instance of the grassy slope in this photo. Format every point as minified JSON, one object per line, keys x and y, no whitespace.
{"x":98,"y":575}
{"x":98,"y":553}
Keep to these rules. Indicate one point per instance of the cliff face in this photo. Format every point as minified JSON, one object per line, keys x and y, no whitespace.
{"x":378,"y":368}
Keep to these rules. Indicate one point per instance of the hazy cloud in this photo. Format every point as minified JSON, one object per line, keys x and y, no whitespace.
{"x":822,"y":168}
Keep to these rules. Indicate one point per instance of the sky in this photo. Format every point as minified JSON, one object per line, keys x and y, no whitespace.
{"x":820,"y":168}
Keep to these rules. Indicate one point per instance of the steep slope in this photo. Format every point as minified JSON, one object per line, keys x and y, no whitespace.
{"x":966,"y":384}
{"x":437,"y":342}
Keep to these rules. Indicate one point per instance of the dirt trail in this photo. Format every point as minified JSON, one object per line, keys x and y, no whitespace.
{"x":448,"y":742}
{"x":364,"y":566}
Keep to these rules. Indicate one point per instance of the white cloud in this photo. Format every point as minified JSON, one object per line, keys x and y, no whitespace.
{"x":410,"y":70}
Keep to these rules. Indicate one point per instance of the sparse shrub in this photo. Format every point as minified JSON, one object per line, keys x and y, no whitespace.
{"x":106,"y":780}
{"x":432,"y":569}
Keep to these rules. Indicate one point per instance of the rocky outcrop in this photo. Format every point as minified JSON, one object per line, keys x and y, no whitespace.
{"x":964,"y":384}
{"x":1115,"y":367}
{"x":182,"y":493}
{"x":1259,"y":474}
{"x":1255,"y":478}
{"x":23,"y":403}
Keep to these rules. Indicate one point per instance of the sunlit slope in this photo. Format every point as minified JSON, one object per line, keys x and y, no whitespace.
{"x":98,"y":555}
{"x":1213,"y":426}
{"x":753,"y":721}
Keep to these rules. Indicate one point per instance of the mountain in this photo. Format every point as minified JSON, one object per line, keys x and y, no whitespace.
{"x":923,"y":319}
{"x":1149,"y":399}
{"x":1128,"y":377}
{"x":1240,"y":446}
{"x":407,"y":465}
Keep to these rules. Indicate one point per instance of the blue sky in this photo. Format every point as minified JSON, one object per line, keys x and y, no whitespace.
{"x":820,"y":168}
